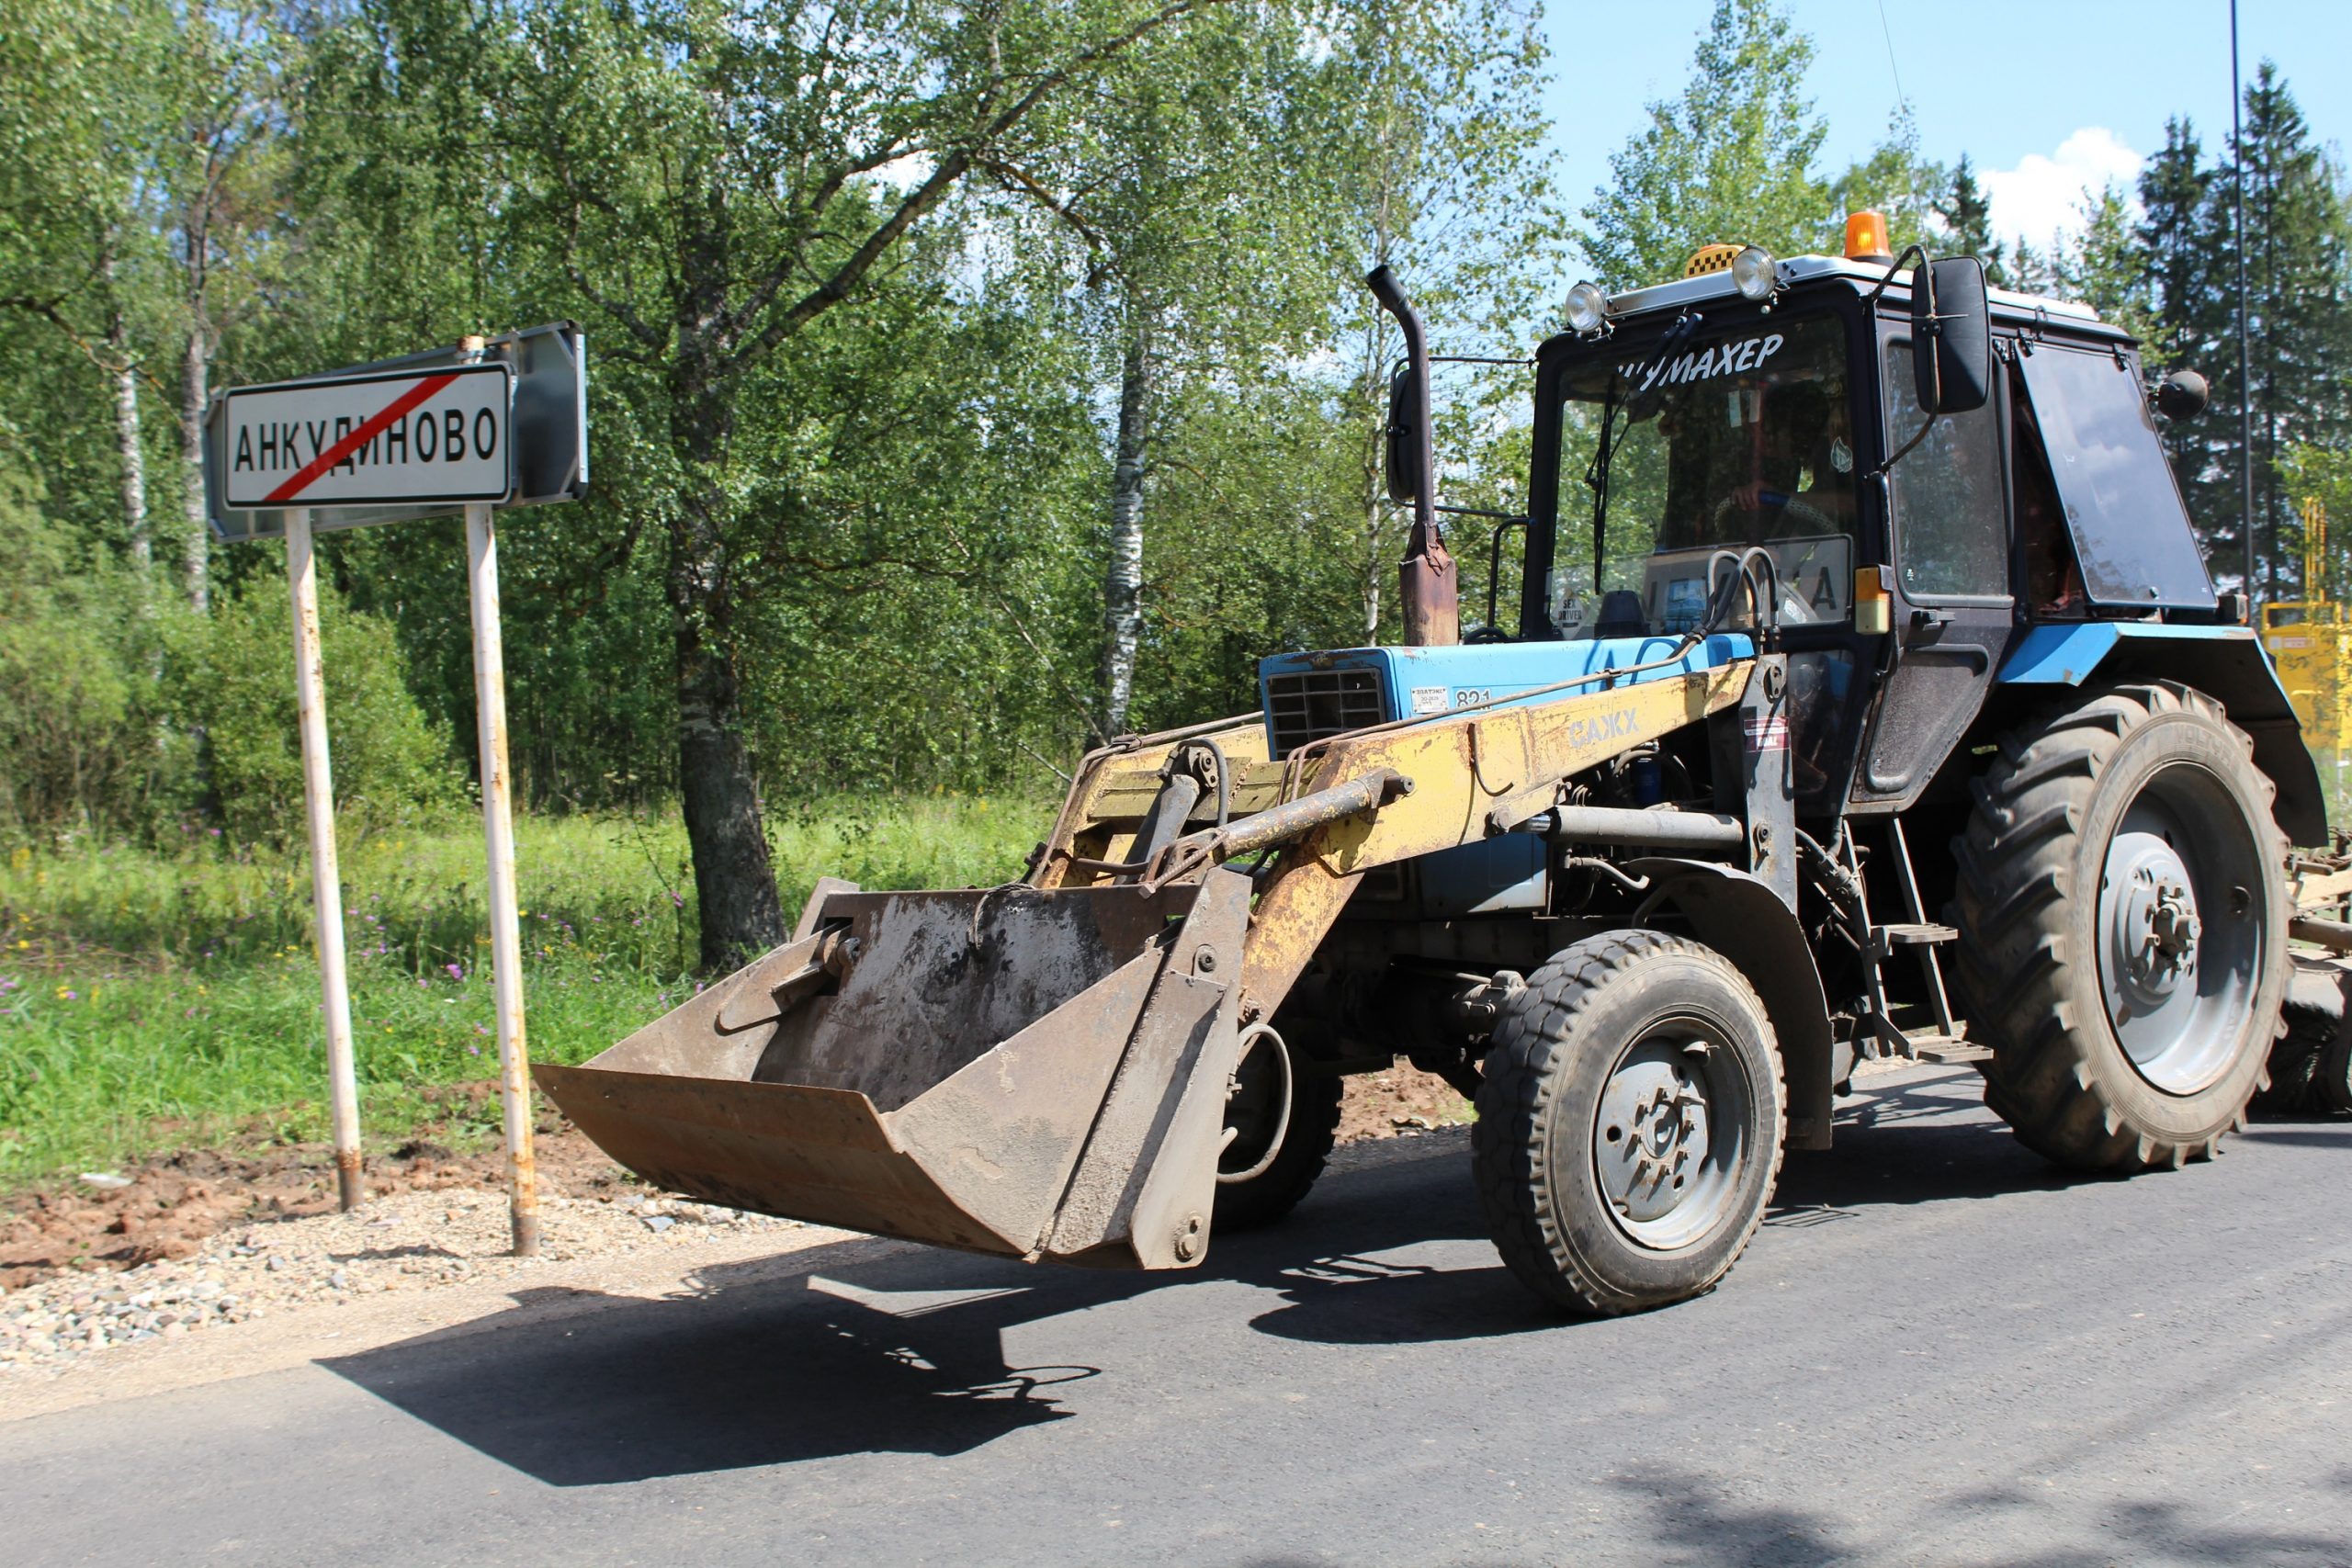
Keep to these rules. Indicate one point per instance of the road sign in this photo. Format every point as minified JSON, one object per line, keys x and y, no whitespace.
{"x":501,"y":422}
{"x":546,"y":438}
{"x":401,"y":436}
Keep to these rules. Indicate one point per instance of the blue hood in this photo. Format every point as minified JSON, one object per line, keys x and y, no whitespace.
{"x":1418,"y":681}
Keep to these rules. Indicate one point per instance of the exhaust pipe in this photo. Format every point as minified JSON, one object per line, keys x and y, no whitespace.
{"x":1427,"y":589}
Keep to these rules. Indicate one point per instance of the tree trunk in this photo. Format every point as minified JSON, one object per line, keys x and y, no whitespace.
{"x":734,"y":880}
{"x":196,"y":542}
{"x":125,"y":372}
{"x":1123,"y":583}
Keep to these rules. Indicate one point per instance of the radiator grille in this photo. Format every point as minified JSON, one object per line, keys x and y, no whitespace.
{"x":1303,"y":705}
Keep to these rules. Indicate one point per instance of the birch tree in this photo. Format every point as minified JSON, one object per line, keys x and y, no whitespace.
{"x":79,"y":94}
{"x":1196,"y":211}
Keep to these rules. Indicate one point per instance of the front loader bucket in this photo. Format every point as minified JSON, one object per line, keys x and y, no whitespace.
{"x":1038,"y":1074}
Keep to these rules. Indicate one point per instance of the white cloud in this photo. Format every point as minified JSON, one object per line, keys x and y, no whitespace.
{"x":2044,"y":194}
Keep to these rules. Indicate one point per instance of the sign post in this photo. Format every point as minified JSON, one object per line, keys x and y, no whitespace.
{"x":498,"y":832}
{"x":326,"y":875}
{"x":473,"y":427}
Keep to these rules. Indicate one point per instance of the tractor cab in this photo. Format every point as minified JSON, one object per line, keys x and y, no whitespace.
{"x":1782,"y":406}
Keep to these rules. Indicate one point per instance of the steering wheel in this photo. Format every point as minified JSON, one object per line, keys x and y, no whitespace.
{"x":1793,"y":506}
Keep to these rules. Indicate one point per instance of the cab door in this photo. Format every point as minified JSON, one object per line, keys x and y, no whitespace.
{"x":1953,"y":614}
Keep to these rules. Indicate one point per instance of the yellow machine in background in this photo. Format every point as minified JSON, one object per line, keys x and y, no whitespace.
{"x":2310,"y":641}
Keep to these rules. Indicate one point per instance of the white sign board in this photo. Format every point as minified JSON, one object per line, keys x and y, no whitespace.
{"x":439,"y":435}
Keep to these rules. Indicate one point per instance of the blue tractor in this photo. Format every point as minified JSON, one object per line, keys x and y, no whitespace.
{"x":1866,"y":694}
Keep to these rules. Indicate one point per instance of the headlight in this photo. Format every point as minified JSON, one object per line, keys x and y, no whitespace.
{"x":1588,"y":307}
{"x":1753,"y":272}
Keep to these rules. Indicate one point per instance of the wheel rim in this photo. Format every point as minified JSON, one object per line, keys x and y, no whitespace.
{"x":1669,"y":1137}
{"x":2179,"y":930}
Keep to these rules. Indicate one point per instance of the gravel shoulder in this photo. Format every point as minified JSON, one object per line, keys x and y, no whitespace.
{"x":261,"y":1272}
{"x":279,"y":1293}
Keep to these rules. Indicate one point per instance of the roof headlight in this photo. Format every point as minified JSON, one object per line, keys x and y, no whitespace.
{"x":1754,"y":273}
{"x":1587,"y":309}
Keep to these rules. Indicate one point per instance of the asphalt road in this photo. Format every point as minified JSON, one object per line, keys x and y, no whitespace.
{"x":1937,"y":1350}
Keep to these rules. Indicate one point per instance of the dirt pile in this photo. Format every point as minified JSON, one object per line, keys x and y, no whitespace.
{"x":1401,"y":1100}
{"x":164,"y":1209}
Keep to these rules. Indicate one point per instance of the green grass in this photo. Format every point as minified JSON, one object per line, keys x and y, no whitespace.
{"x":151,"y":1001}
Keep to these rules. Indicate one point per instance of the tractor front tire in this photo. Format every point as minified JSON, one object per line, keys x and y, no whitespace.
{"x":2123,"y":928}
{"x":1630,"y":1123}
{"x":1307,"y":1139}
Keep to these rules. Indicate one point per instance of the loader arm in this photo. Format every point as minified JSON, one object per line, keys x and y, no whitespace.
{"x":1471,"y":776}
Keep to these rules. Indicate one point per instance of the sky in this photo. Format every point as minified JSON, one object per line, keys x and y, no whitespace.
{"x":2046,"y":98}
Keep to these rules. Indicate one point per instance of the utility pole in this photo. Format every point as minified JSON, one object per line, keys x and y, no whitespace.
{"x":2245,"y":357}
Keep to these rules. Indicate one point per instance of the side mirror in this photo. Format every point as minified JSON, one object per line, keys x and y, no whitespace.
{"x":1403,"y":460}
{"x":2183,"y":395}
{"x":1951,"y":336}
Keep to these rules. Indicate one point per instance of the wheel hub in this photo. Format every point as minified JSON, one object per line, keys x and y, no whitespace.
{"x":2152,"y":918}
{"x":1652,"y":1138}
{"x":2178,"y":937}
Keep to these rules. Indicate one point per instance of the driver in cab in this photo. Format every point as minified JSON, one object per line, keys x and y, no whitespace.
{"x":1801,"y":478}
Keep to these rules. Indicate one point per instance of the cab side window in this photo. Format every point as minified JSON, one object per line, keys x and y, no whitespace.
{"x":1951,"y":514}
{"x":2054,"y":588}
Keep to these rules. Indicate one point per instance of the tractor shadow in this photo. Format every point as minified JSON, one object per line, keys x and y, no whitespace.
{"x":866,"y":1346}
{"x":1913,"y":1136}
{"x":863,"y":1347}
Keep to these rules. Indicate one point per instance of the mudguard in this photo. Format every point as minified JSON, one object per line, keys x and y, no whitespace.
{"x":2225,"y":662}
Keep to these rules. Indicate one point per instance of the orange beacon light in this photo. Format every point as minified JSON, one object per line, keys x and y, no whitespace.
{"x":1866,"y":237}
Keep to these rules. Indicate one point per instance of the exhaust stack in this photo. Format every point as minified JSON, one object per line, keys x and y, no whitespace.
{"x":1428,"y":591}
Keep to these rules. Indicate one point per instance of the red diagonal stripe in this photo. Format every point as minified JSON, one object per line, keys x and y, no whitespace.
{"x":358,"y":438}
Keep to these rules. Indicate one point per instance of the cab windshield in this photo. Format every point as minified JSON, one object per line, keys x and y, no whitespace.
{"x":1707,"y":440}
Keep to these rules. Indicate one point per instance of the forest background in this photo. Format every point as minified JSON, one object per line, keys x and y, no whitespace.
{"x":968,"y":382}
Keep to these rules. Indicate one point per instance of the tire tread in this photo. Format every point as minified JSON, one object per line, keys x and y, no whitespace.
{"x":2015,"y":969}
{"x":1533,"y":1041}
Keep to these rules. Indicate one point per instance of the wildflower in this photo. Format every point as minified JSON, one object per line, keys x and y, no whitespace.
{"x":65,"y":994}
{"x":455,"y":972}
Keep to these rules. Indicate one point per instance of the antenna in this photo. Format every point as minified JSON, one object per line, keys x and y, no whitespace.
{"x":1902,"y":99}
{"x":2246,"y":358}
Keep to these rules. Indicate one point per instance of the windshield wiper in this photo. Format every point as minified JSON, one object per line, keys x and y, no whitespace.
{"x":1648,"y":388}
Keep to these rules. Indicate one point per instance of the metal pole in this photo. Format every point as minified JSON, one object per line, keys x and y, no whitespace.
{"x":498,"y":829}
{"x":326,"y":876}
{"x":2246,"y":365}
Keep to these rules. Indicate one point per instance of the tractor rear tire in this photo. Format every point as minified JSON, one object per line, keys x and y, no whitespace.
{"x":1630,"y":1123}
{"x":2123,"y":928}
{"x":1306,"y":1144}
